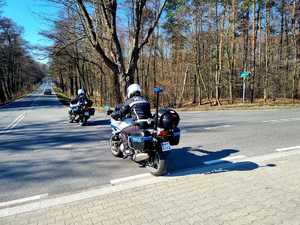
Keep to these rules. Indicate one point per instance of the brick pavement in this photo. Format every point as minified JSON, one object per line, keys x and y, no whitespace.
{"x":247,"y":193}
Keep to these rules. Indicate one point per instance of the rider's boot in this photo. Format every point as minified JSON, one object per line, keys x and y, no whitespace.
{"x":126,"y":151}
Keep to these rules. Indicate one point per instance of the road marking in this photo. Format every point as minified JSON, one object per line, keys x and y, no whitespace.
{"x":231,"y":159}
{"x":15,"y":120}
{"x":287,"y":149}
{"x":14,"y":123}
{"x":282,"y":120}
{"x":23,"y":200}
{"x":183,"y":131}
{"x":216,"y":127}
{"x":130,"y":178}
{"x":18,"y":121}
{"x":65,"y":146}
{"x":72,"y":197}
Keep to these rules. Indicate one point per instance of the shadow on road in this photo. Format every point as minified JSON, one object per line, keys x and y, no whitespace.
{"x":50,"y":135}
{"x":187,"y":161}
{"x":55,"y":156}
{"x":202,"y":127}
{"x":98,"y":122}
{"x":31,"y":101}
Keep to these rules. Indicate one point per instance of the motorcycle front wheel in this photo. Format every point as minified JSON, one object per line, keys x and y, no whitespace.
{"x":114,"y":148}
{"x":71,"y":119}
{"x":157,"y":164}
{"x":83,"y":121}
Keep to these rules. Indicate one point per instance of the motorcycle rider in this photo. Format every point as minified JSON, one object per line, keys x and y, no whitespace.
{"x":81,"y":97}
{"x":135,"y":107}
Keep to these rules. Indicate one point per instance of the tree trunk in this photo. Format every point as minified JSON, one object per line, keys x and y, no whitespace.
{"x":183,"y":86}
{"x":295,"y":83}
{"x":254,"y":25}
{"x":266,"y":82}
{"x":232,"y":72}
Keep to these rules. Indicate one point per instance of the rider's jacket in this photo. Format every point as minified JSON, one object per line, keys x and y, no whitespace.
{"x":137,"y":107}
{"x":81,"y":99}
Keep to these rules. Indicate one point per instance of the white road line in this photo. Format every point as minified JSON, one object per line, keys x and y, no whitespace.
{"x":15,"y":120}
{"x":231,"y":159}
{"x":282,"y":120}
{"x":68,"y":198}
{"x":287,"y":149}
{"x":14,"y":123}
{"x":65,"y":146}
{"x":216,"y":127}
{"x":23,"y":200}
{"x":130,"y":178}
{"x":183,"y":131}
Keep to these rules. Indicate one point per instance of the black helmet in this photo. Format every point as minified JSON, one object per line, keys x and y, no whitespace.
{"x":168,"y":119}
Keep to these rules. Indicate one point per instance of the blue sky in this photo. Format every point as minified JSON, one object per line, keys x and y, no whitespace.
{"x":30,"y":15}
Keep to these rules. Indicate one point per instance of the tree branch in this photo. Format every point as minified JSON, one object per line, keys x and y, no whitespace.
{"x":151,"y":29}
{"x":91,"y":32}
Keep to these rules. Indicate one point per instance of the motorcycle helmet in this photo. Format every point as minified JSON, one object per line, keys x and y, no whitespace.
{"x":80,"y":92}
{"x":133,"y":89}
{"x":168,"y":119}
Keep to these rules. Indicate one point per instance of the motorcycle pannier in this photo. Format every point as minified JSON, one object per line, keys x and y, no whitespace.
{"x":140,"y":141}
{"x":175,"y":136}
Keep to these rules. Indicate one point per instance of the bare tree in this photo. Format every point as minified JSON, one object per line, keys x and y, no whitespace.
{"x":114,"y":56}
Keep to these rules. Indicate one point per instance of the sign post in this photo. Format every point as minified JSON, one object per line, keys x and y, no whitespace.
{"x":244,"y":75}
{"x":244,"y":89}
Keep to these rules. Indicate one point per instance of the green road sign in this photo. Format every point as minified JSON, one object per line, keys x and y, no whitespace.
{"x":245,"y":74}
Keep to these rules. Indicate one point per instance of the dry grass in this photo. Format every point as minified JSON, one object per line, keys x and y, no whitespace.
{"x":64,"y":99}
{"x":225,"y":104}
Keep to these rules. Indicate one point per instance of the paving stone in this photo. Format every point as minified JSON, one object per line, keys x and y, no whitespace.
{"x":265,"y":196}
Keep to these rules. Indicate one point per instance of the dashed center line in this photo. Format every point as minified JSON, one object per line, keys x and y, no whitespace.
{"x":282,"y":120}
{"x":287,"y":149}
{"x":216,"y":127}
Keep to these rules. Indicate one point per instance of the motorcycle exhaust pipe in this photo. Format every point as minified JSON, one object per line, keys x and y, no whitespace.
{"x":140,"y":157}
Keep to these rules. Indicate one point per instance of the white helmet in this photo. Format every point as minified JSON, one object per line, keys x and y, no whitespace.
{"x":133,"y":88}
{"x":80,"y":92}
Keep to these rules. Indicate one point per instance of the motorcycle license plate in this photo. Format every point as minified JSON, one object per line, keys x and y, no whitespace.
{"x":165,"y":146}
{"x":86,"y":113}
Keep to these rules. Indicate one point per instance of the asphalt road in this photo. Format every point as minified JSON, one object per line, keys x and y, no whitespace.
{"x":42,"y":154}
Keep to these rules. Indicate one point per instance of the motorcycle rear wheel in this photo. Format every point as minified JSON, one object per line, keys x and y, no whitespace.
{"x":157,"y":164}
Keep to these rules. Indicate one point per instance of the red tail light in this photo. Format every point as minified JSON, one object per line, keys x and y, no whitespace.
{"x":163,"y":133}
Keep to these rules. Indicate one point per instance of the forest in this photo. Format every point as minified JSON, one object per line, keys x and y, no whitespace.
{"x":19,"y":72}
{"x":195,"y":49}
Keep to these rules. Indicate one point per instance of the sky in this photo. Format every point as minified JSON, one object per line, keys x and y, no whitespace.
{"x":31,"y":14}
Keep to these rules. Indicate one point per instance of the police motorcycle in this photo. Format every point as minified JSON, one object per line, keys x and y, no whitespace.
{"x":150,"y":147}
{"x":80,"y":111}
